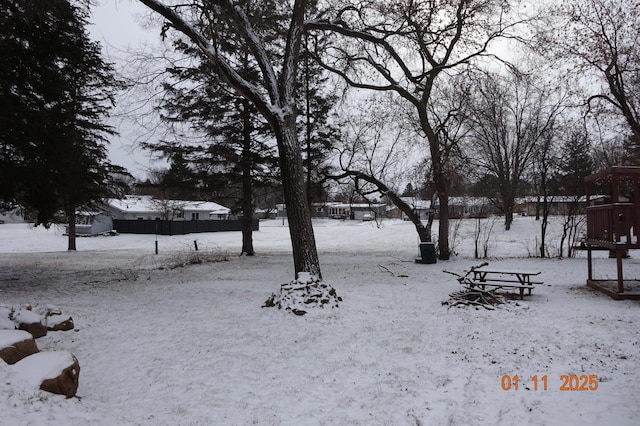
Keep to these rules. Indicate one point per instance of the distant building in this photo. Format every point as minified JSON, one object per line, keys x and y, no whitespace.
{"x":92,"y":223}
{"x":13,"y":215}
{"x":144,"y":207}
{"x":337,"y":210}
{"x":352,"y":211}
{"x":419,"y":206}
{"x":459,"y":207}
{"x":470,"y":207}
{"x":146,"y":215}
{"x":558,"y":204}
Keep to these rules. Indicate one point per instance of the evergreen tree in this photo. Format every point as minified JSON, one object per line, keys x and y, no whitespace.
{"x":276,"y":53}
{"x":55,"y":91}
{"x":235,"y":152}
{"x":318,"y":135}
{"x":576,"y":163}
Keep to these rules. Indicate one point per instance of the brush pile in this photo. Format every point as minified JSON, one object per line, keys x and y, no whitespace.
{"x":476,"y":298}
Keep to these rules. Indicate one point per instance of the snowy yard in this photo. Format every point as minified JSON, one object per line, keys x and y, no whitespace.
{"x":159,"y":345}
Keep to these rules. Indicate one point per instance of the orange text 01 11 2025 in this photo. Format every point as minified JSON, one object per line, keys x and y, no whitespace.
{"x":568,"y":382}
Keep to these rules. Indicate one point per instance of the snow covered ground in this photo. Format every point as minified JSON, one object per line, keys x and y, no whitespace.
{"x":160,"y":345}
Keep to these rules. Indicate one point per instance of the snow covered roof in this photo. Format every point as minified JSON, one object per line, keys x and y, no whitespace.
{"x":469,"y":201}
{"x":133,"y":204}
{"x":353,"y":205}
{"x":557,"y":198}
{"x":417,"y":203}
{"x":146,"y":204}
{"x":338,"y":204}
{"x":205,"y":206}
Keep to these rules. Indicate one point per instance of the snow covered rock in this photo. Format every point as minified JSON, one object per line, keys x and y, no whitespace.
{"x":59,"y":323}
{"x":16,"y":345}
{"x":47,"y":310}
{"x":38,"y":319}
{"x":5,"y":319}
{"x":56,"y":372}
{"x":29,"y":321}
{"x":303,"y":294}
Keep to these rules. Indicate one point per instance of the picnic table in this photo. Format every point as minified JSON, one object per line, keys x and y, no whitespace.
{"x":503,"y":278}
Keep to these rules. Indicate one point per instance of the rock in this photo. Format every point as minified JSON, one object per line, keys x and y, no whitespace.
{"x":16,"y":345}
{"x":66,"y":383}
{"x":59,"y":323}
{"x":56,"y":372}
{"x":31,"y":322}
{"x":36,"y":329}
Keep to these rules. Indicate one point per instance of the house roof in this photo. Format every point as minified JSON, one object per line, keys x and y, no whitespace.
{"x":338,"y":204}
{"x":148,"y":204}
{"x":557,"y":199}
{"x":205,"y":206}
{"x":417,"y":203}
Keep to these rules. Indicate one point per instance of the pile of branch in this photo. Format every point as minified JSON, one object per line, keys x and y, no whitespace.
{"x":476,"y":298}
{"x":304,"y":293}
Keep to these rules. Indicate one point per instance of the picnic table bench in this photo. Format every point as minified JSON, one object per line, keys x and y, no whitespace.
{"x":502,"y":278}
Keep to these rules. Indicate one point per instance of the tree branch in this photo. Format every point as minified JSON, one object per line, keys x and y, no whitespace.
{"x":221,"y":65}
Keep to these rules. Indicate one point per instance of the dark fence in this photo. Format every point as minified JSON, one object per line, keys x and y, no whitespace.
{"x":174,"y":227}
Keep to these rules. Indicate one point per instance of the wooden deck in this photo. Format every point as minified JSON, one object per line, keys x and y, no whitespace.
{"x":614,"y":226}
{"x":610,"y":288}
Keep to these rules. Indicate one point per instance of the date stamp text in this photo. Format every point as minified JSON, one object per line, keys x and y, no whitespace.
{"x":580,"y":383}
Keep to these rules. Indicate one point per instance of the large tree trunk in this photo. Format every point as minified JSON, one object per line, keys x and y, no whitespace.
{"x":543,"y":229}
{"x":305,"y":255}
{"x":508,"y":201}
{"x":441,"y":181}
{"x":247,"y":185}
{"x":508,"y":218}
{"x":71,"y":223}
{"x":443,"y":224}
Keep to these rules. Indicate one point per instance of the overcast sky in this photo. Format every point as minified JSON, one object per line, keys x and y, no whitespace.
{"x":116,"y":24}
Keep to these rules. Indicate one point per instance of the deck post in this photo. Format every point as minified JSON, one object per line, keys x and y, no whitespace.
{"x":620,"y":275}
{"x":589,"y":263}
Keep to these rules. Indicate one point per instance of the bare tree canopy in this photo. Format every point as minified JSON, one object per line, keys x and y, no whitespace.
{"x":600,"y":38}
{"x":404,"y":46}
{"x":512,"y":118}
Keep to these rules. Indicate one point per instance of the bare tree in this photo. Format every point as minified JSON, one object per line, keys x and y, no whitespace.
{"x":545,"y":162}
{"x":511,"y":117}
{"x":375,"y":152}
{"x":482,"y":234}
{"x":609,"y":150}
{"x":598,"y":38}
{"x":405,"y":47}
{"x":207,"y":24}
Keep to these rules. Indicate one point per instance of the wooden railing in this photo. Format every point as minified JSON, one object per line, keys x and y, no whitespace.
{"x":613,"y":224}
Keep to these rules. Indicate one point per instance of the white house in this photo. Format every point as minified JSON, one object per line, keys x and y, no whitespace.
{"x":144,"y":207}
